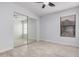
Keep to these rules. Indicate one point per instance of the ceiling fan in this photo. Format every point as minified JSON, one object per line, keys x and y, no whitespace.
{"x":47,"y":3}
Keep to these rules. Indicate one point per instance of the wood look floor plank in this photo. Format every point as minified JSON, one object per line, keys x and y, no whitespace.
{"x":42,"y":49}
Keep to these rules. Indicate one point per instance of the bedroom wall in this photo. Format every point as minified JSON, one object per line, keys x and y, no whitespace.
{"x":50,"y":27}
{"x":6,"y":23}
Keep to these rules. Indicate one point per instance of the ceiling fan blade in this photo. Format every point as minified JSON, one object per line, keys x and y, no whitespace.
{"x":43,"y":6}
{"x":51,"y":4}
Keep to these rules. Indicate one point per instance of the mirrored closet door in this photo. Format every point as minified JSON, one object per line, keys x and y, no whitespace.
{"x":32,"y":30}
{"x":24,"y":30}
{"x":20,"y":29}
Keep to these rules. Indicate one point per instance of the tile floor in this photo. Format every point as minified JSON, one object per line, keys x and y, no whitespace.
{"x":42,"y":49}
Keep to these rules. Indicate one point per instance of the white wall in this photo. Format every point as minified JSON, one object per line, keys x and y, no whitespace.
{"x":50,"y":27}
{"x":6,"y":23}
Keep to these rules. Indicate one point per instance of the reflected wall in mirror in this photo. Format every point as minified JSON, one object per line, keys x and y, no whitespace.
{"x":67,"y":26}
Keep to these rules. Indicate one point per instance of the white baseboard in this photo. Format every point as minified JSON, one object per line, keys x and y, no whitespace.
{"x":4,"y":50}
{"x":63,"y":43}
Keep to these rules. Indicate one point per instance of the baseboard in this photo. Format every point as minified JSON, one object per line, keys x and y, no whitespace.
{"x":63,"y":43}
{"x":4,"y":50}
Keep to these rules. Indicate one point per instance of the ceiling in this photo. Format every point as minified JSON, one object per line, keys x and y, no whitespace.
{"x":36,"y":8}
